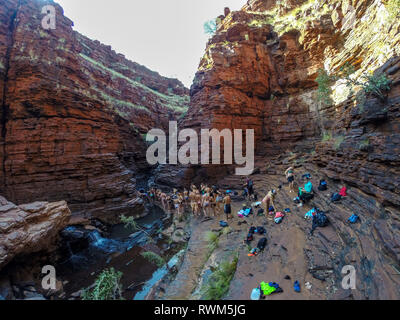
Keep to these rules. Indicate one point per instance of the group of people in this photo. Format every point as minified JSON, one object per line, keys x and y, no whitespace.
{"x":204,"y":201}
{"x":211,"y":201}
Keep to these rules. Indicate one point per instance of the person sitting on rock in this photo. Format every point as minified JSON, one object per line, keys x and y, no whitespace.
{"x":306,"y":193}
{"x":290,"y":178}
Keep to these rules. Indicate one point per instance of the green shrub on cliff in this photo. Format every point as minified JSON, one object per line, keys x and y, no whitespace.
{"x":219,"y":282}
{"x":107,"y":287}
{"x":153,"y":258}
{"x":129,"y":223}
{"x":324,"y":87}
{"x":212,"y":239}
{"x":393,"y":7}
{"x":369,"y":84}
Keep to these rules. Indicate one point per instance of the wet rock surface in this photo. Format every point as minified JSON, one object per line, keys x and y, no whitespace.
{"x":291,"y":251}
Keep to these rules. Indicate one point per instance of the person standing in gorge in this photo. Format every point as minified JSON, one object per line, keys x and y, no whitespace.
{"x":192,"y":201}
{"x":186,"y":196}
{"x":163,"y":198}
{"x":206,"y":203}
{"x":227,"y":206}
{"x":289,"y":173}
{"x":213,"y":204}
{"x":197,"y":203}
{"x":218,"y":203}
{"x":249,"y":188}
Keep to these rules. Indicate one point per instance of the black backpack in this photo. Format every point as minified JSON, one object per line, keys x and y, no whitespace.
{"x":252,"y":230}
{"x":319,"y":220}
{"x":249,"y":238}
{"x":261,"y":230}
{"x":336,"y":197}
{"x":322,"y":186}
{"x":262,"y":243}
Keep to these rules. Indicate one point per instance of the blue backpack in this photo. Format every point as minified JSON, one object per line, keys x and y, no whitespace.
{"x":322,"y":185}
{"x":223,"y":224}
{"x":353,"y":219}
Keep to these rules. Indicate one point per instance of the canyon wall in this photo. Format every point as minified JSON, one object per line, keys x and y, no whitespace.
{"x":259,"y":70}
{"x":73,"y":115}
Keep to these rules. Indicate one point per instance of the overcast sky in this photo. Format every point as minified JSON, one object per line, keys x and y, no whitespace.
{"x":166,"y":36}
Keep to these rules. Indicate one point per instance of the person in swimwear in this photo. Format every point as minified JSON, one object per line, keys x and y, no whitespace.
{"x":227,"y":206}
{"x":269,"y":200}
{"x":289,"y":173}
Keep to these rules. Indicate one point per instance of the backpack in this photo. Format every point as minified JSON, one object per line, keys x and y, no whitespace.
{"x":353,"y":219}
{"x":261,"y":230}
{"x":223,"y":224}
{"x":252,"y":230}
{"x":323,"y":186}
{"x":319,"y":220}
{"x":249,"y":237}
{"x":262,"y":243}
{"x":278,"y":220}
{"x":260,"y":212}
{"x":336,"y":197}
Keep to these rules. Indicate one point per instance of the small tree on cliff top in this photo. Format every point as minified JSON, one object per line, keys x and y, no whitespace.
{"x":371,"y":84}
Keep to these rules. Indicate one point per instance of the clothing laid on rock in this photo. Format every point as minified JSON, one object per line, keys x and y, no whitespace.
{"x":343,"y":192}
{"x":270,"y":288}
{"x":245,"y":212}
{"x":336,"y":197}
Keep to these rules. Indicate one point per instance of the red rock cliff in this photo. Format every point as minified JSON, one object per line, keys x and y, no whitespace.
{"x":72,"y":114}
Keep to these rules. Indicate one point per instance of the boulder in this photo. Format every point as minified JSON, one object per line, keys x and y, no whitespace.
{"x":29,"y":228}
